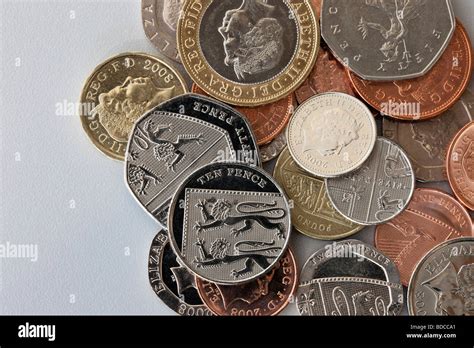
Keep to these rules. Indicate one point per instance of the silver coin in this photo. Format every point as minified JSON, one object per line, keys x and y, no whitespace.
{"x":379,"y":190}
{"x":349,"y":278}
{"x":229,"y":223}
{"x":269,"y":152}
{"x":443,"y":281}
{"x":388,"y":40}
{"x":171,"y":281}
{"x":160,"y":18}
{"x":165,"y":147}
{"x":331,"y":134}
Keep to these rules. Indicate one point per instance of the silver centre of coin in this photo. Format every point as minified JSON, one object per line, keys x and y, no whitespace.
{"x":349,"y":278}
{"x":388,"y":39}
{"x":379,"y":190}
{"x":443,"y":282}
{"x":331,"y":134}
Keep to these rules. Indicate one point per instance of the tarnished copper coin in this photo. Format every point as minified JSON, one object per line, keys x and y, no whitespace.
{"x":268,"y":121}
{"x":267,"y":295}
{"x":431,"y":218}
{"x":426,"y":142}
{"x":427,"y":96}
{"x":328,"y":75}
{"x":460,"y":165}
{"x":317,"y":4}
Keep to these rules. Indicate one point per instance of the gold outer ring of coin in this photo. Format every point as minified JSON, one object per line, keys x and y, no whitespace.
{"x":316,"y":216}
{"x":113,"y":141}
{"x":254,"y":94}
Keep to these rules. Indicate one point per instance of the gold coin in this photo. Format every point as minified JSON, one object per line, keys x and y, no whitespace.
{"x":248,"y":53}
{"x":312,"y":213}
{"x":119,"y":92}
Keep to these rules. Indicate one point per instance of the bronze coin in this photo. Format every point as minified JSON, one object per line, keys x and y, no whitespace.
{"x":267,"y":295}
{"x":328,"y":75}
{"x":460,"y":165}
{"x":431,"y":218}
{"x":426,"y":142}
{"x":267,"y":121}
{"x":427,"y":96}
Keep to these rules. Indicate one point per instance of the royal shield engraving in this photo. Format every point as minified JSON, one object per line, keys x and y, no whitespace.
{"x":239,"y":234}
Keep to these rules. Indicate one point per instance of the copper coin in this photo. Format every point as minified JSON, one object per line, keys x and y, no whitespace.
{"x":328,"y":75}
{"x":317,"y":5}
{"x":267,"y":121}
{"x":426,"y":142}
{"x":431,"y":218}
{"x":427,"y":96}
{"x":460,"y":165}
{"x":267,"y":295}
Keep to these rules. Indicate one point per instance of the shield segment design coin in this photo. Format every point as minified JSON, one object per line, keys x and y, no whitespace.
{"x":443,"y":280}
{"x":119,"y":92}
{"x":389,"y":39}
{"x":248,"y":52}
{"x":379,"y":190}
{"x":331,"y":134}
{"x":349,"y":278}
{"x":313,"y":213}
{"x":229,"y":223}
{"x":166,"y":147}
{"x":171,"y":281}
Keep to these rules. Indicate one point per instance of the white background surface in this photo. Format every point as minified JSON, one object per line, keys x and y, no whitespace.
{"x":56,"y":189}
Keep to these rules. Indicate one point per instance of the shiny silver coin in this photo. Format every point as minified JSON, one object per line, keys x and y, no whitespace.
{"x":331,"y":134}
{"x":229,"y":223}
{"x":172,"y":282}
{"x":165,"y":147}
{"x":349,"y":278}
{"x":443,"y":281}
{"x":269,"y":152}
{"x":160,"y":18}
{"x":379,"y":190}
{"x":388,"y":40}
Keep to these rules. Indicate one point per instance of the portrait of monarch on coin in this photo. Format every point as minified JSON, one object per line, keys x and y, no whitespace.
{"x":253,"y":38}
{"x":454,"y":290}
{"x":119,"y":108}
{"x":468,"y":162}
{"x":332,"y":134}
{"x":171,"y":11}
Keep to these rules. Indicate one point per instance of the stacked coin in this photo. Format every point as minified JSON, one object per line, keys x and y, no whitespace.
{"x":266,"y":91}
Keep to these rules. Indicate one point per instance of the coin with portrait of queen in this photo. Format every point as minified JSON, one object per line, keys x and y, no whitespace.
{"x":331,"y":134}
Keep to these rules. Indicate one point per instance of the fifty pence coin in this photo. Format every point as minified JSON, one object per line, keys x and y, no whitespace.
{"x":442,"y":283}
{"x":171,"y":282}
{"x":312,"y":213}
{"x":229,"y":223}
{"x":248,"y":52}
{"x":427,"y":96}
{"x":388,"y":39}
{"x":349,"y":278}
{"x":160,"y":18}
{"x":379,"y":190}
{"x":331,"y":134}
{"x":460,"y":165}
{"x":272,"y":150}
{"x":426,"y":142}
{"x":166,"y":147}
{"x":267,"y":295}
{"x":119,"y":92}
{"x":431,"y":218}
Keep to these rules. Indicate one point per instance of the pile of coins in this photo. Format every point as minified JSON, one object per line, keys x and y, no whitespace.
{"x":268,"y":92}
